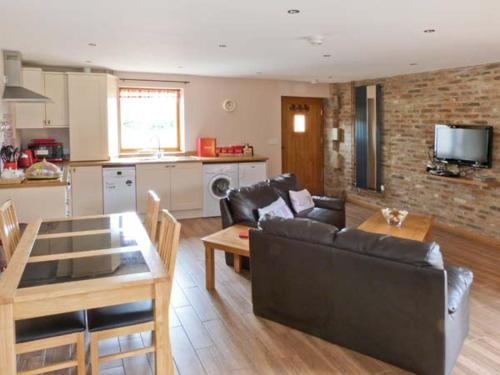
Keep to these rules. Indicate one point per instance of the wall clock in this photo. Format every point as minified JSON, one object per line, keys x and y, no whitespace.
{"x":229,"y":105}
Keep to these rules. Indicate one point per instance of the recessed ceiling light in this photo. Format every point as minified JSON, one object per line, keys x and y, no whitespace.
{"x":293,"y":11}
{"x":88,"y":62}
{"x":180,"y":67}
{"x":222,"y":45}
{"x":413,"y":64}
{"x":327,"y":55}
{"x":92,"y":45}
{"x":429,"y":31}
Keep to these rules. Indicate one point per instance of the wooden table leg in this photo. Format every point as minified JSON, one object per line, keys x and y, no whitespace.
{"x":209,"y":268}
{"x":237,"y":263}
{"x":163,"y":361}
{"x":7,"y":341}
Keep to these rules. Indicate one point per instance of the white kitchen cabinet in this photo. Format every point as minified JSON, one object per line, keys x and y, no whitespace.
{"x":31,"y":115}
{"x":92,"y":101}
{"x":186,"y":186}
{"x":152,"y":177}
{"x":179,"y":185}
{"x":86,"y":190}
{"x":39,"y":115}
{"x":56,"y":88}
{"x":251,"y":173}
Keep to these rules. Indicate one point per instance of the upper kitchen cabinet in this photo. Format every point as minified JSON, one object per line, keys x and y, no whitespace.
{"x":56,"y":88}
{"x":93,"y":115}
{"x":38,"y":115}
{"x":31,"y":115}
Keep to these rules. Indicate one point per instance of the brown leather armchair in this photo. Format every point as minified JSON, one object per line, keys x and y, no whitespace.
{"x":240,"y":205}
{"x":389,"y":298}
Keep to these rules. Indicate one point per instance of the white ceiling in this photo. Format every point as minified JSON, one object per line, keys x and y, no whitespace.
{"x":366,"y":38}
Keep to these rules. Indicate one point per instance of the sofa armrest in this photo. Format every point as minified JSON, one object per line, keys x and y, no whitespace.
{"x":225,"y":213}
{"x":330,"y":203}
{"x":459,"y":283}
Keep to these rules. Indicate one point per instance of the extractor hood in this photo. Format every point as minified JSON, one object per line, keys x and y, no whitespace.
{"x":14,"y":90}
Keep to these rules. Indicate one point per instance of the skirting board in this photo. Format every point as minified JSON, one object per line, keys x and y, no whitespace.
{"x":460,"y":231}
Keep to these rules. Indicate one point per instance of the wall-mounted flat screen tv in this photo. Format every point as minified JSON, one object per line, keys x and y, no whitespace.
{"x":463,"y":145}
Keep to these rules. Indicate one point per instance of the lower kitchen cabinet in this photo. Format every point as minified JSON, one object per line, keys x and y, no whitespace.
{"x":152,"y":177}
{"x":186,"y":186}
{"x":86,"y":190}
{"x":179,"y":185}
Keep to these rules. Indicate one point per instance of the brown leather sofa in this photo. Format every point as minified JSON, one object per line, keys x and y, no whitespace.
{"x":389,"y":298}
{"x":240,"y":205}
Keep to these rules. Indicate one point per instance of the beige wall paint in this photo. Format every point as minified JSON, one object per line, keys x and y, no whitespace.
{"x":256,"y":120}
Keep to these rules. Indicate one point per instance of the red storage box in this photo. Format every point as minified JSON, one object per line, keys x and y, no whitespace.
{"x":206,"y":147}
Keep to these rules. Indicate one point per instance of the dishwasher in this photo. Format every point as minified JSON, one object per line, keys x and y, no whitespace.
{"x":119,"y":189}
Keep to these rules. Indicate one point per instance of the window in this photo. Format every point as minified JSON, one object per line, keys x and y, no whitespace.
{"x":149,"y":118}
{"x":299,"y":123}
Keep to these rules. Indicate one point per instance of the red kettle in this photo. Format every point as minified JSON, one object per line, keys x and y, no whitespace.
{"x":26,"y":159}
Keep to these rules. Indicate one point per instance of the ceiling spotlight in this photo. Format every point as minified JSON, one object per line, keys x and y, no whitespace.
{"x":315,"y":40}
{"x":180,"y":67}
{"x":293,"y":11}
{"x":327,"y":55}
{"x":92,"y":45}
{"x":429,"y":31}
{"x":222,"y":45}
{"x":88,"y":62}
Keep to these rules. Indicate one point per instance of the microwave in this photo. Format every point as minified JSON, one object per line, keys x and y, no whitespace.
{"x":47,"y":149}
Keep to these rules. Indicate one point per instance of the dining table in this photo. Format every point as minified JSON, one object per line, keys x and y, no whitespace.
{"x":80,"y":263}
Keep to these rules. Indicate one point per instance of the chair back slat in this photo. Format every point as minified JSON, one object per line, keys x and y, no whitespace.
{"x":170,"y":230}
{"x":152,"y":212}
{"x":9,"y":229}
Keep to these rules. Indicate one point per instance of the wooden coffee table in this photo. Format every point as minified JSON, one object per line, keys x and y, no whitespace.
{"x":415,"y":227}
{"x":226,"y":240}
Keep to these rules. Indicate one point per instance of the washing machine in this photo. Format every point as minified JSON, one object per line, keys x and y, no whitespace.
{"x":217,"y":179}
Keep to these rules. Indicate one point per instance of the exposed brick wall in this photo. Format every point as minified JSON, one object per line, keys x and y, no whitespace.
{"x":412,"y":105}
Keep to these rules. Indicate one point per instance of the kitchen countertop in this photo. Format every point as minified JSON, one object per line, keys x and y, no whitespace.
{"x":63,"y":181}
{"x":169,"y":159}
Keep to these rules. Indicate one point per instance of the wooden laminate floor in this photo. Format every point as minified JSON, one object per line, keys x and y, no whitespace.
{"x":217,"y":333}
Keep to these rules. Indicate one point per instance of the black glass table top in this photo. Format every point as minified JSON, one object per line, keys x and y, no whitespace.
{"x":50,"y":246}
{"x":80,"y":225}
{"x":94,"y":267}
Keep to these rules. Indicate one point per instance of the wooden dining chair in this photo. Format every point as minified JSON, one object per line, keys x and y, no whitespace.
{"x":45,"y":332}
{"x":9,"y":229}
{"x":152,"y":212}
{"x":131,"y":318}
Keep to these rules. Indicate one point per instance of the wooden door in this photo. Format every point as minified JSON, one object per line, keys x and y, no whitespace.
{"x":302,"y":141}
{"x":56,"y":88}
{"x":154,"y":177}
{"x":186,"y":186}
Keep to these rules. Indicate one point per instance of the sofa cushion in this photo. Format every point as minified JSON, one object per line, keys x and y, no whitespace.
{"x":282,"y":184}
{"x":245,"y":202}
{"x":322,"y":215}
{"x":459,"y":281}
{"x":301,"y":200}
{"x":299,"y":229}
{"x":401,"y":250}
{"x":277,"y":208}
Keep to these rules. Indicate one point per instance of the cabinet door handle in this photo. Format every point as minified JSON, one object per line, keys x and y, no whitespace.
{"x":48,"y":121}
{"x":173,"y":166}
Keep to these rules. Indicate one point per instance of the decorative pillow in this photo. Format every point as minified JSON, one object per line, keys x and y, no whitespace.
{"x":277,"y":208}
{"x":301,"y":200}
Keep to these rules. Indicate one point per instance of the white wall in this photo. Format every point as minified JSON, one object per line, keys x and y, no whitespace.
{"x":256,"y":120}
